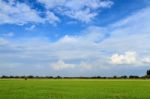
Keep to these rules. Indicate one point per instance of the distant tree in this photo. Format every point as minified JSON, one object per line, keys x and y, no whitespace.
{"x":38,"y":77}
{"x":124,"y":77}
{"x":4,"y":76}
{"x":30,"y":76}
{"x":58,"y":77}
{"x":114,"y":77}
{"x":94,"y":77}
{"x":11,"y":76}
{"x":22,"y":76}
{"x":104,"y":77}
{"x":16,"y":76}
{"x":131,"y":77}
{"x":98,"y":76}
{"x":148,"y":73}
{"x":144,"y":77}
{"x":49,"y":77}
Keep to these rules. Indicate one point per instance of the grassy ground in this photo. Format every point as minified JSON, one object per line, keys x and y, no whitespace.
{"x":74,"y":89}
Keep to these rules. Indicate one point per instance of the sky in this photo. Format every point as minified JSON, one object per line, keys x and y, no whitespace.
{"x":74,"y":37}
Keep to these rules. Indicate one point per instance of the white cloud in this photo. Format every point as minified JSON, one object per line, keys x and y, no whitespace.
{"x":83,"y":16}
{"x":127,"y":58}
{"x":14,"y":12}
{"x":30,"y":28}
{"x":137,"y":23}
{"x":9,"y":34}
{"x":3,"y":41}
{"x":18,"y":14}
{"x":21,"y":13}
{"x":77,"y":4}
{"x":52,"y":3}
{"x":130,"y":58}
{"x":130,"y":35}
{"x":68,"y":39}
{"x":52,"y":18}
{"x":146,"y":60}
{"x":85,"y":66}
{"x":60,"y":65}
{"x":82,"y":10}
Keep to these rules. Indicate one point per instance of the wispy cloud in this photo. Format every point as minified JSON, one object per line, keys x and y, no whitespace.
{"x":9,"y":34}
{"x":20,"y":13}
{"x":15,"y":12}
{"x":30,"y":28}
{"x":81,"y":10}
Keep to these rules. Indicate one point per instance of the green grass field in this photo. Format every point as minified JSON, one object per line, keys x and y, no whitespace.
{"x":74,"y":89}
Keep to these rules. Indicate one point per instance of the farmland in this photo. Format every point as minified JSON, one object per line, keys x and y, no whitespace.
{"x":74,"y":89}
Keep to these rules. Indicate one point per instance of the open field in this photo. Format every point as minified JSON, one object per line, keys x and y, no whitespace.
{"x":74,"y":89}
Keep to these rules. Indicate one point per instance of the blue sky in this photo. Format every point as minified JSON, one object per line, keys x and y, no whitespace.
{"x":74,"y":37}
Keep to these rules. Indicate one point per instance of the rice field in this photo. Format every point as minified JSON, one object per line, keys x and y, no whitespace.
{"x":74,"y":89}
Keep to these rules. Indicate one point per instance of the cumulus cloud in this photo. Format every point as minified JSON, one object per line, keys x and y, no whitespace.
{"x":127,"y":58}
{"x":130,"y":58}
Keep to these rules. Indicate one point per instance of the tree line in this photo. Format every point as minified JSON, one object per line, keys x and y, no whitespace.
{"x":93,"y":77}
